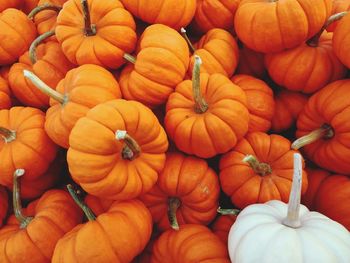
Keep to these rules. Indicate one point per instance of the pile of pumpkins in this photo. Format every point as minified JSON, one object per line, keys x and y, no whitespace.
{"x":174,"y":131}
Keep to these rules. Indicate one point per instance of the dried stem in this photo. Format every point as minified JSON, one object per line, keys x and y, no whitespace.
{"x":201,"y":105}
{"x":7,"y":134}
{"x":173,"y":204}
{"x":87,"y":211}
{"x":325,"y":132}
{"x":89,"y":29}
{"x":259,"y":168}
{"x":131,"y":150}
{"x":184,"y":34}
{"x":233,"y":212}
{"x":46,"y":6}
{"x":129,"y":58}
{"x":36,"y":43}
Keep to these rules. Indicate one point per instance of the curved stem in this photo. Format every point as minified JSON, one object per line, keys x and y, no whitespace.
{"x":131,"y":150}
{"x":16,"y":198}
{"x":325,"y":132}
{"x":184,"y":34}
{"x":233,"y":212}
{"x":292,"y":219}
{"x":129,"y":58}
{"x":87,"y":211}
{"x":173,"y":204}
{"x":43,"y":87}
{"x":89,"y":29}
{"x":201,"y":105}
{"x":258,"y":167}
{"x":36,"y":43}
{"x":7,"y":134}
{"x":40,"y":8}
{"x":313,"y":41}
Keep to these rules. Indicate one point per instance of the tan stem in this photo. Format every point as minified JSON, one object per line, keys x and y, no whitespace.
{"x":201,"y":105}
{"x":35,"y":43}
{"x":7,"y":134}
{"x":228,"y":211}
{"x":131,"y":150}
{"x":313,"y":41}
{"x":173,"y":204}
{"x":325,"y":132}
{"x":184,"y":34}
{"x":129,"y":58}
{"x":87,"y":211}
{"x":292,"y":219}
{"x":16,"y":198}
{"x":89,"y":29}
{"x":258,"y":167}
{"x":43,"y":87}
{"x":43,"y":7}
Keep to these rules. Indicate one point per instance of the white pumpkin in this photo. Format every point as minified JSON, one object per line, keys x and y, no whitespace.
{"x":275,"y":232}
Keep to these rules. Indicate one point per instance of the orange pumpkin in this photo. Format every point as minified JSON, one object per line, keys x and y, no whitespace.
{"x":251,"y":62}
{"x":328,"y":194}
{"x":5,"y":100}
{"x":215,"y":14}
{"x":4,"y":72}
{"x":260,"y":102}
{"x":222,"y":226}
{"x":192,"y":243}
{"x":206,"y":116}
{"x":9,"y":4}
{"x":186,"y":192}
{"x":308,"y":67}
{"x":337,"y":7}
{"x":48,"y":63}
{"x":33,"y":233}
{"x":117,"y":235}
{"x":341,"y":40}
{"x":160,"y":65}
{"x":175,"y":14}
{"x":81,"y":89}
{"x":258,"y":169}
{"x":288,"y":105}
{"x":28,"y":5}
{"x":272,"y":26}
{"x":24,"y":144}
{"x":96,"y":32}
{"x":18,"y":38}
{"x":117,"y":150}
{"x":322,"y":127}
{"x":3,"y":205}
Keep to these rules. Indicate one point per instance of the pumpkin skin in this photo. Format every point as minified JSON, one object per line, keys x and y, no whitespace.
{"x":215,"y":131}
{"x":9,"y":4}
{"x":260,"y":102}
{"x":218,"y":51}
{"x":28,"y":5}
{"x":337,"y":7}
{"x":328,"y":106}
{"x":117,"y":235}
{"x":272,"y":26}
{"x":161,"y":64}
{"x":244,"y":185}
{"x":193,"y":183}
{"x":51,"y":67}
{"x":288,"y":105}
{"x":175,"y":14}
{"x":5,"y":100}
{"x":31,"y":150}
{"x":192,"y":243}
{"x":18,"y":38}
{"x":341,"y":40}
{"x":259,"y":235}
{"x":98,"y":205}
{"x":306,"y":68}
{"x":328,"y":194}
{"x":3,"y":205}
{"x":55,"y":213}
{"x":111,"y":19}
{"x":84,"y":87}
{"x":222,"y":226}
{"x":251,"y":63}
{"x":215,"y":14}
{"x":95,"y":157}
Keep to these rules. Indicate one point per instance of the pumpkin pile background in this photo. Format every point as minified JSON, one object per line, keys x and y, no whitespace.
{"x":157,"y":114}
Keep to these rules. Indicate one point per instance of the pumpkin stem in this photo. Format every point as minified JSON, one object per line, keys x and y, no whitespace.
{"x":43,"y":87}
{"x":131,"y":150}
{"x":17,"y":206}
{"x":228,"y":211}
{"x":7,"y":134}
{"x":292,"y":219}
{"x":90,"y":29}
{"x":313,"y":41}
{"x":129,"y":58}
{"x":36,"y":43}
{"x":87,"y":211}
{"x":184,"y":34}
{"x":40,"y":8}
{"x":258,"y":167}
{"x":325,"y":132}
{"x":173,"y":204}
{"x":201,"y":105}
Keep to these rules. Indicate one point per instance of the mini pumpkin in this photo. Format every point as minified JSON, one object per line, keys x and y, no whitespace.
{"x":3,"y":205}
{"x":9,"y":4}
{"x":251,"y":62}
{"x":5,"y":100}
{"x":341,"y":40}
{"x":222,"y":226}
